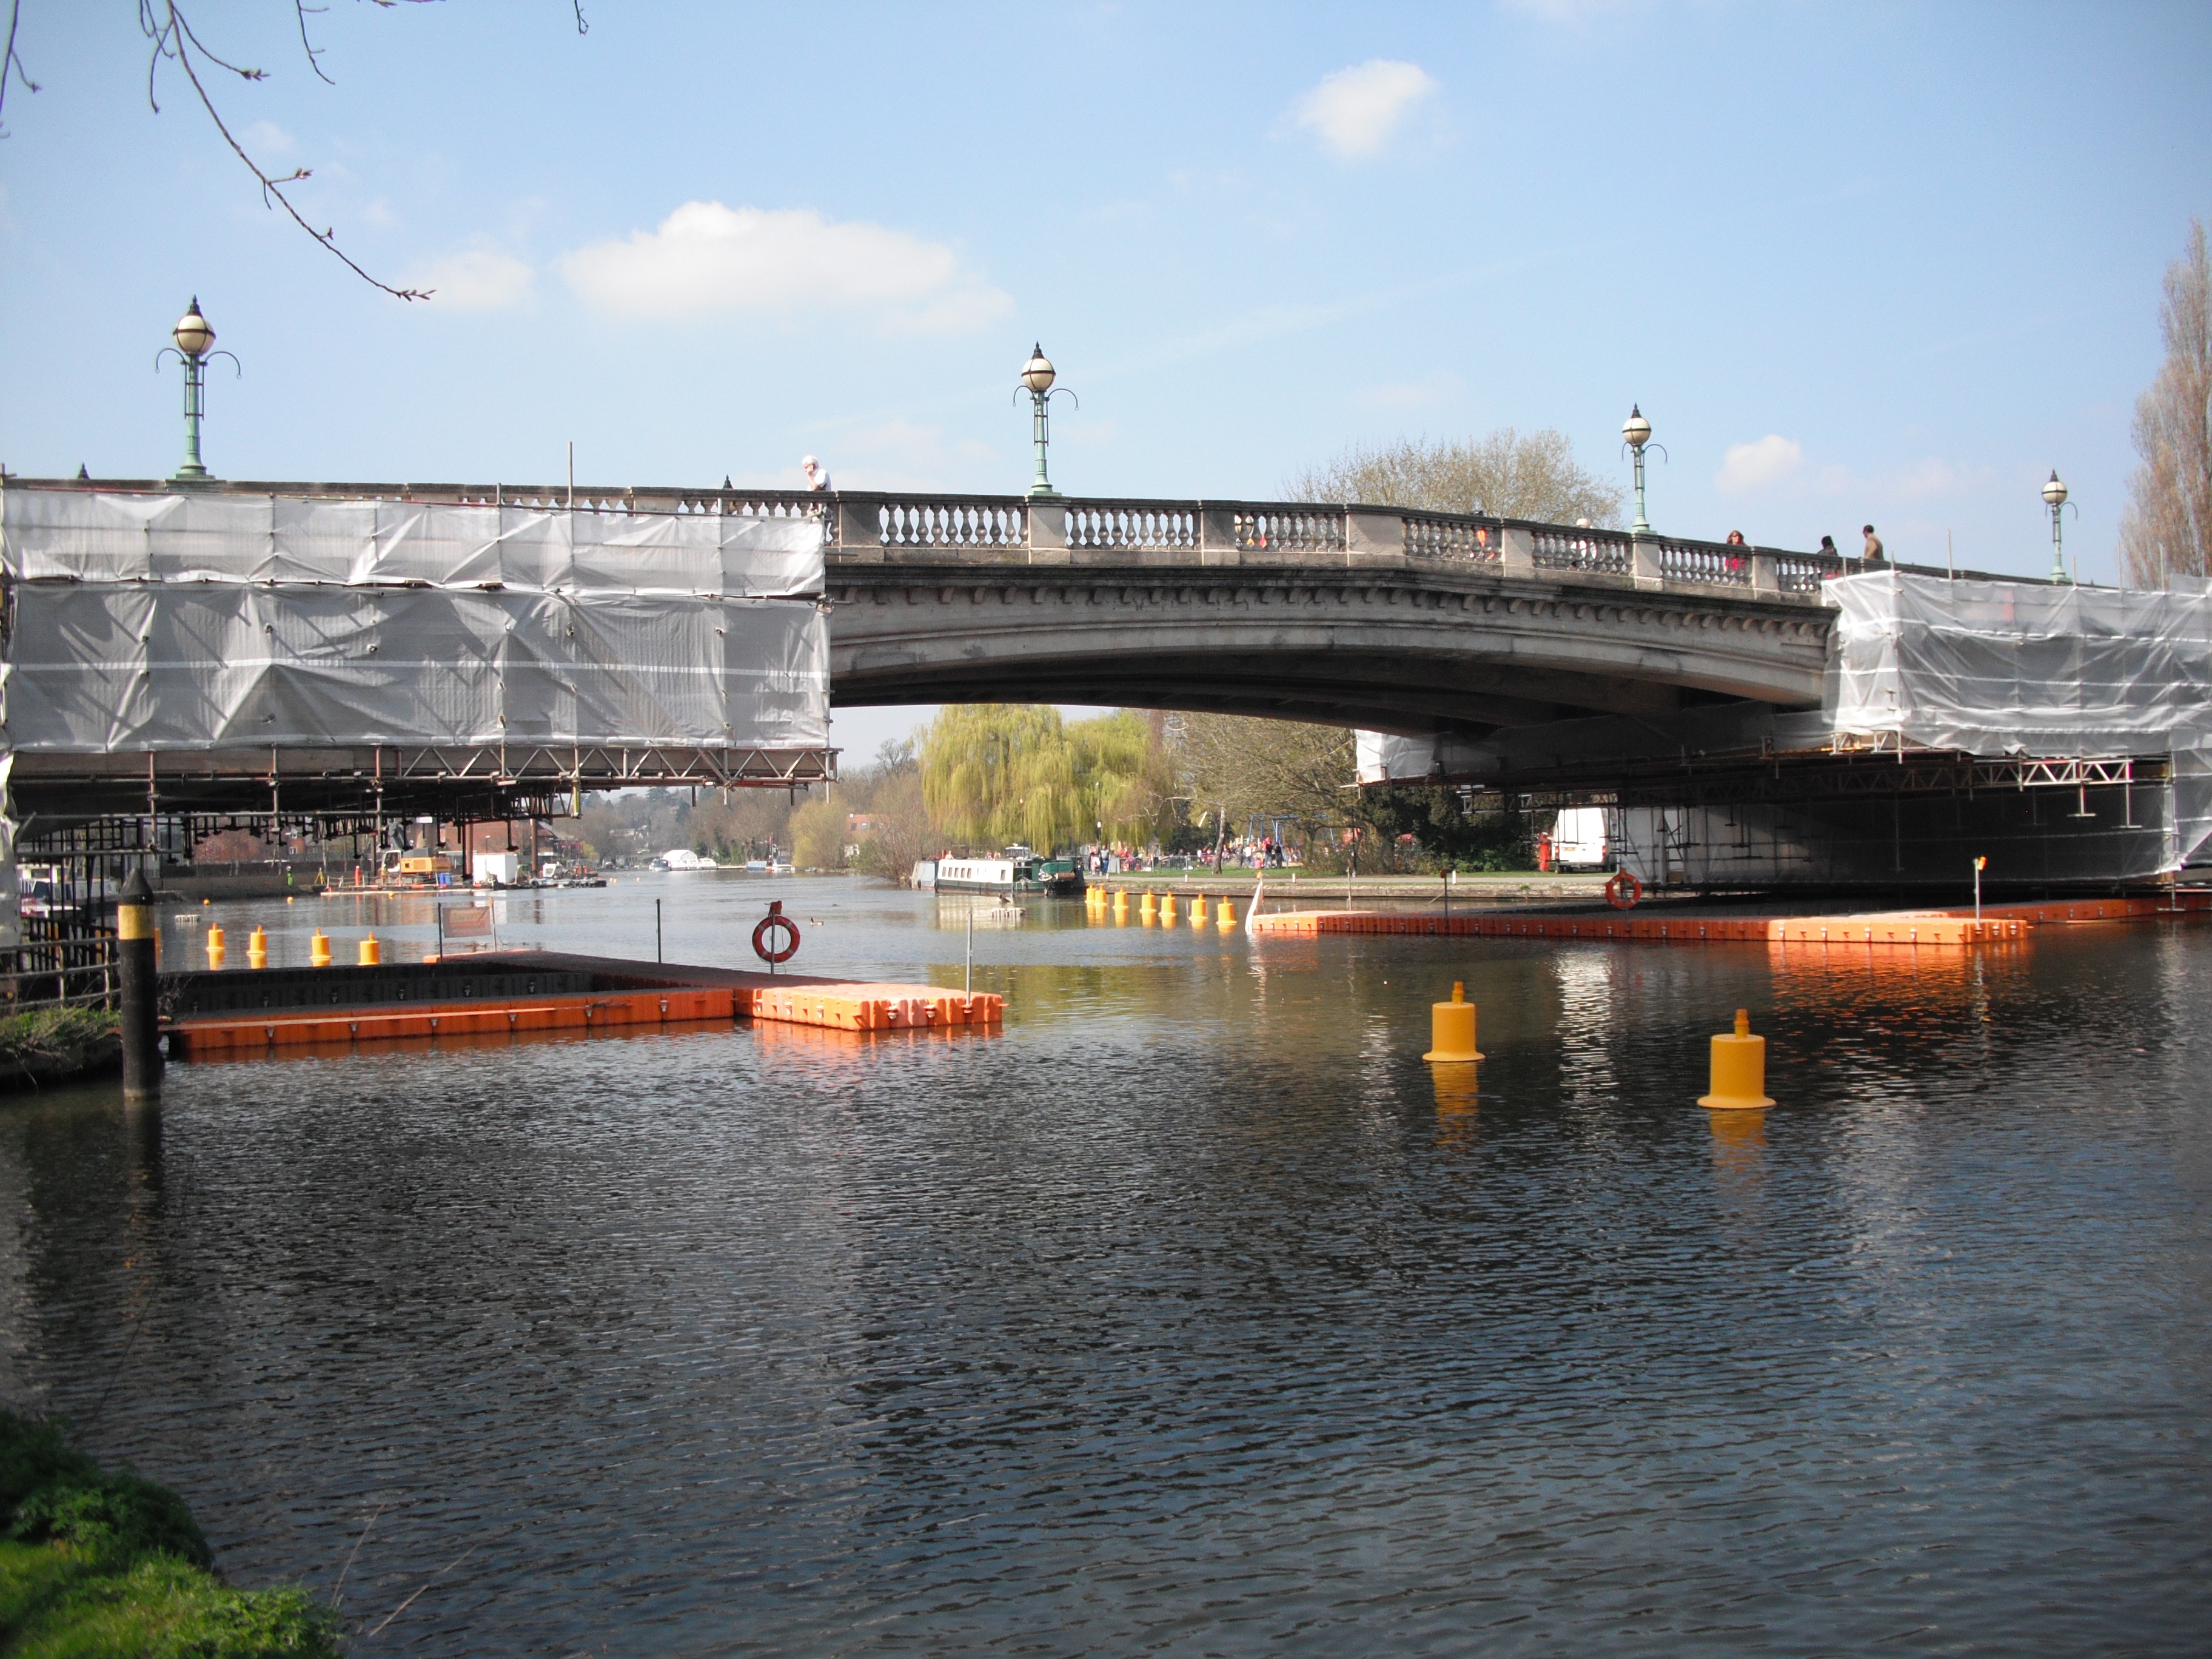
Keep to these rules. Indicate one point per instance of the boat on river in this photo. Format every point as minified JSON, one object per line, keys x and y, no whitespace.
{"x":1016,"y":871}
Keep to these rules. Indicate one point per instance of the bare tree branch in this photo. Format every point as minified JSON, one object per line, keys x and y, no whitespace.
{"x":315,"y":58}
{"x":173,"y":39}
{"x":2167,"y":530}
{"x":10,"y":64}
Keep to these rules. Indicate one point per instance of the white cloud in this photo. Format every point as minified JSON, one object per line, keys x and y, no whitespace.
{"x":1356,"y":110}
{"x":1752,"y":466}
{"x":266,"y":139}
{"x":706,"y":257}
{"x":476,"y":281}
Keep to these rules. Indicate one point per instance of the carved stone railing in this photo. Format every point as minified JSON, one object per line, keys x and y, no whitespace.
{"x":1598,"y":552}
{"x":1149,"y":526}
{"x":866,"y":525}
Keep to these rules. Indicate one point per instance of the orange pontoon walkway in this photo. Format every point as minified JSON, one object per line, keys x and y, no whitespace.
{"x":1910,"y":929}
{"x":519,"y":991}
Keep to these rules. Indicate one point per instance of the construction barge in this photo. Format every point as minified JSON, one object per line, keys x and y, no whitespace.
{"x":237,"y":1015}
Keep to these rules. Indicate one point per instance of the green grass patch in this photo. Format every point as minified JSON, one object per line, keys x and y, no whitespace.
{"x":93,"y":1563}
{"x":55,"y":1033}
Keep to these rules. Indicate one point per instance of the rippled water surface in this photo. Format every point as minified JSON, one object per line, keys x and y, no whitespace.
{"x":1190,"y":1315}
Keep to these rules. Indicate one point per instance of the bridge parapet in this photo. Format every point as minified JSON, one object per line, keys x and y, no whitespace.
{"x":869,"y":525}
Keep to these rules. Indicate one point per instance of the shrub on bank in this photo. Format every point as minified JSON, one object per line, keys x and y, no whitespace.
{"x":96,"y":1563}
{"x":48,"y":1045}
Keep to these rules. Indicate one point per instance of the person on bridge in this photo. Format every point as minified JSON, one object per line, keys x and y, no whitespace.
{"x":1874,"y":553}
{"x":818,"y":476}
{"x":1828,"y":549}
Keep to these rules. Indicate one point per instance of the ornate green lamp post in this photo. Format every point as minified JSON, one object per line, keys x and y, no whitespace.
{"x":1037,"y":378}
{"x":2054,"y":500}
{"x":194,"y":336}
{"x":1635,"y":432}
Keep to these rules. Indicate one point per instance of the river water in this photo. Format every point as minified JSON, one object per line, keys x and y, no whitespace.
{"x":1191,"y":1314}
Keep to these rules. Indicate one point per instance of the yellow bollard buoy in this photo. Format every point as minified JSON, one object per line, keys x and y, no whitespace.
{"x":1198,"y":912}
{"x":1451,"y":1028}
{"x":215,"y":949}
{"x":371,"y":953}
{"x":257,"y":949}
{"x":1225,"y":915}
{"x":1739,"y":1070}
{"x":1167,"y":909}
{"x":318,"y":949}
{"x":1148,"y":911}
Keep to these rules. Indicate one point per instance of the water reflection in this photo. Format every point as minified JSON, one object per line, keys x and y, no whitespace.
{"x":1192,"y":1312}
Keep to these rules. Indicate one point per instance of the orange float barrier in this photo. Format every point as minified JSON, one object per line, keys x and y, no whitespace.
{"x":1904,"y":929}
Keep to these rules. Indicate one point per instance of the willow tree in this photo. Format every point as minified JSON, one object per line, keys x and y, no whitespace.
{"x":995,"y":773}
{"x":2167,"y":530}
{"x":1509,"y":473}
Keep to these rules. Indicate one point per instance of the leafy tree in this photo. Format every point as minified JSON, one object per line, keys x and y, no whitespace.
{"x":1444,"y":831}
{"x":2167,"y":530}
{"x":902,"y":834}
{"x":1513,"y":476}
{"x":995,"y":773}
{"x":1236,"y":768}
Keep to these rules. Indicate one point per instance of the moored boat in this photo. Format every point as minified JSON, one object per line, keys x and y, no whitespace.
{"x":1016,"y":871}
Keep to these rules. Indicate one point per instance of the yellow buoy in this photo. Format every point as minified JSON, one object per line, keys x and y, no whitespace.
{"x":215,"y":949}
{"x":318,"y":949}
{"x":1198,"y":912}
{"x":1451,"y":1028}
{"x":1739,"y":1070}
{"x":1148,"y":911}
{"x":257,"y":949}
{"x":371,"y":953}
{"x":1167,"y":909}
{"x":1224,"y":915}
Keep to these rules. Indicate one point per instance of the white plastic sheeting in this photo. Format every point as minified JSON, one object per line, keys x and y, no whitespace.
{"x":2018,"y":668}
{"x":54,"y":535}
{"x":185,"y":621}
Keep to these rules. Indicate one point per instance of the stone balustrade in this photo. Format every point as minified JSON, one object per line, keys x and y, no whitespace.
{"x":861,"y":526}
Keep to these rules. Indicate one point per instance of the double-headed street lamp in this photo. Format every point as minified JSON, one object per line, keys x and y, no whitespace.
{"x":1636,"y":433}
{"x":1037,"y":378}
{"x":2054,"y":499}
{"x":194,"y":336}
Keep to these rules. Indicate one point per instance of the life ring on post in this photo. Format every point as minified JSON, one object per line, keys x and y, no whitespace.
{"x":775,"y":922}
{"x":1623,"y":890}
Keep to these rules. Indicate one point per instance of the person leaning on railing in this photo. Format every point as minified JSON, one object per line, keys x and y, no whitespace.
{"x":1873,"y":554}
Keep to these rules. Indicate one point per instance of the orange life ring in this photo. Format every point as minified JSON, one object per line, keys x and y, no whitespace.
{"x":775,"y":918}
{"x":1623,"y":890}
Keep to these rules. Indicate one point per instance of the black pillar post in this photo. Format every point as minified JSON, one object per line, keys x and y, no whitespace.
{"x":142,"y":1025}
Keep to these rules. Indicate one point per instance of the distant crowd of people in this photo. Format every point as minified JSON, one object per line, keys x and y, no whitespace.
{"x":1239,"y":853}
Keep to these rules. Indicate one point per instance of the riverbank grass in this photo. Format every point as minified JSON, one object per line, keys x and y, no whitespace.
{"x":51,"y":1045}
{"x":99,"y":1563}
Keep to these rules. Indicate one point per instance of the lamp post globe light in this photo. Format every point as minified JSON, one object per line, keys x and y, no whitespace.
{"x":2054,"y":500}
{"x":195,"y":340}
{"x":1037,"y":376}
{"x":1636,"y":433}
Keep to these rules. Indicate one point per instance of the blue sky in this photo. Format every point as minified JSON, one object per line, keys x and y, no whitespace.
{"x":1856,"y":262}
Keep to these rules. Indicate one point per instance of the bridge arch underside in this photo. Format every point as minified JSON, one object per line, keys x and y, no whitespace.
{"x":1413,"y":655}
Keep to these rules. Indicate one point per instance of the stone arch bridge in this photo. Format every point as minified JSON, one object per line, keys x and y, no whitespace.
{"x":1400,"y":622}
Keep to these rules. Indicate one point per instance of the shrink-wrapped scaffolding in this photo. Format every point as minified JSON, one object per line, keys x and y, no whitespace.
{"x":156,"y":623}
